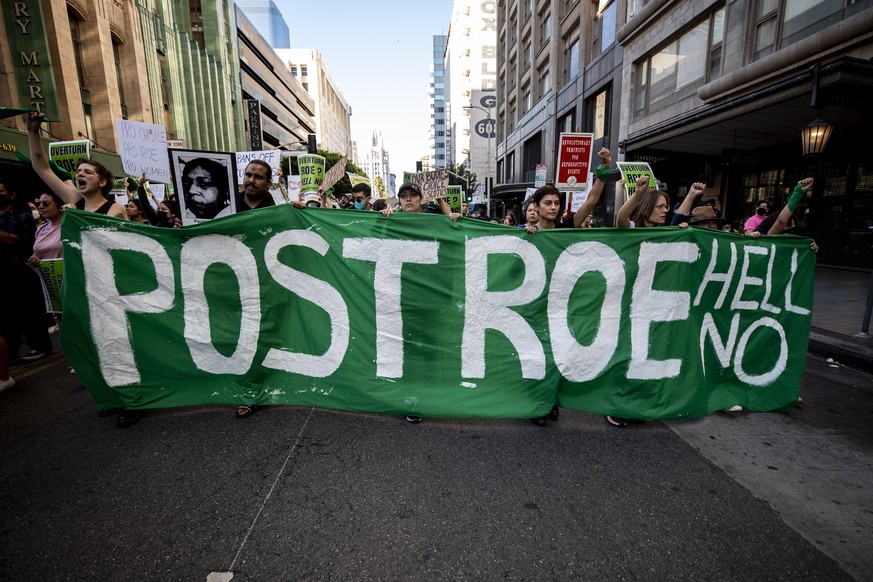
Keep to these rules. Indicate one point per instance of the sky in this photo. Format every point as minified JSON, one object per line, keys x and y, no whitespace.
{"x":379,"y":54}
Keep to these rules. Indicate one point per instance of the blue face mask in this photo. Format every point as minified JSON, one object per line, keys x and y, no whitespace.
{"x":360,"y":205}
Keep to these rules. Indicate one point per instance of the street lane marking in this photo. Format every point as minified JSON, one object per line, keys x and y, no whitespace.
{"x":225,"y":576}
{"x":44,"y":364}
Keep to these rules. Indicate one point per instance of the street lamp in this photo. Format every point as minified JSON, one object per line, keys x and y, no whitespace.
{"x":487,"y":131}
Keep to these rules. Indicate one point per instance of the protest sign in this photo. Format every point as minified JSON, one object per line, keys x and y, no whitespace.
{"x":52,"y":274}
{"x":334,"y":174}
{"x":630,"y":171}
{"x":143,"y":149}
{"x":355,"y":179}
{"x":574,"y":160}
{"x":67,"y":154}
{"x":433,"y":184}
{"x":269,"y":157}
{"x":206,"y":184}
{"x":454,"y":198}
{"x":294,"y":189}
{"x":540,"y":176}
{"x":292,"y":306}
{"x":311,"y":168}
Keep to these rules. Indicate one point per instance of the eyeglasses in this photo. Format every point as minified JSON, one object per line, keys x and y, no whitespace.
{"x":359,"y":199}
{"x":43,"y":203}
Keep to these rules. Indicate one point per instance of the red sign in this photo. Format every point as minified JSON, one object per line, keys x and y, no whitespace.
{"x":574,"y":160}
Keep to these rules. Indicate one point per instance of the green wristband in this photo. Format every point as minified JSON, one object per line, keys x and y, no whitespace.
{"x":796,"y":197}
{"x":602,"y":172}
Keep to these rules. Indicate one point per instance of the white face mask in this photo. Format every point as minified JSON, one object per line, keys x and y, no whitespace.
{"x":35,"y":214}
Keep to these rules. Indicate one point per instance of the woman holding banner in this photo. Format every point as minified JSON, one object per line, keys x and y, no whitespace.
{"x":547,"y":201}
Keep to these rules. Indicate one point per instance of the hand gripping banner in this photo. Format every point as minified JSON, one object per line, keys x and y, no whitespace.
{"x":415,"y":314}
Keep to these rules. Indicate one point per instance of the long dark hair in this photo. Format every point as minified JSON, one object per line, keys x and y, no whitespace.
{"x":640,"y":215}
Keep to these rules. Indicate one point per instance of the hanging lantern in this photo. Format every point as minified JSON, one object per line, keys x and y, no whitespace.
{"x":815,"y":136}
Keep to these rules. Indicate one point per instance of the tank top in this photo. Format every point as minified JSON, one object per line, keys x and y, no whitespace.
{"x":104,"y":209}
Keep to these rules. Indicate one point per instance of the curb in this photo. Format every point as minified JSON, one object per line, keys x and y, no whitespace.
{"x":851,"y":351}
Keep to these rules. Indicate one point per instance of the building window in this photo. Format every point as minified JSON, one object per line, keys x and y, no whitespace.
{"x":545,"y":82}
{"x":604,"y":26}
{"x":116,"y":53}
{"x":76,"y":37}
{"x":528,"y":53}
{"x":599,"y":110}
{"x":571,"y":62}
{"x":781,"y":23}
{"x":566,"y":123}
{"x":527,"y":98}
{"x":678,"y":69}
{"x":545,"y":29}
{"x":510,"y":167}
{"x":293,"y":69}
{"x":304,"y":70}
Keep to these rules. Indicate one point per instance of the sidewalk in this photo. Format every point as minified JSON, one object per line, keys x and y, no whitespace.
{"x":837,"y":316}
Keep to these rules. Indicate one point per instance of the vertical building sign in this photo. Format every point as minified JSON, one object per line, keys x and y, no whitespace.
{"x":483,"y":78}
{"x":31,"y":59}
{"x":253,"y":107}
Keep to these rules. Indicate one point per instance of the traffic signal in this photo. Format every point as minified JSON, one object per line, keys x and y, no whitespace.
{"x":468,"y":196}
{"x":312,"y":148}
{"x":418,"y":166}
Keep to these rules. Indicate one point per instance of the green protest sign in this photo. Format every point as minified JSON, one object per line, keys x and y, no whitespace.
{"x":67,"y":154}
{"x":414,"y":314}
{"x":311,"y":167}
{"x":454,"y":198}
{"x":52,"y":273}
{"x":630,"y":171}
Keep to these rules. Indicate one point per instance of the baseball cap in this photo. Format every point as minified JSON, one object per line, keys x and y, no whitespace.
{"x":312,"y":197}
{"x":409,"y":186}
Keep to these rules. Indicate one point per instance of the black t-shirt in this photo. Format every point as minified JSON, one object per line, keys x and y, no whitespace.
{"x":242,"y":206}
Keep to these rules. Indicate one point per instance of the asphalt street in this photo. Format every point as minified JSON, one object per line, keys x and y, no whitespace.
{"x":293,"y":493}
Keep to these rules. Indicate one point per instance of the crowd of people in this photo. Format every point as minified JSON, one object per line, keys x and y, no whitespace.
{"x":30,"y":230}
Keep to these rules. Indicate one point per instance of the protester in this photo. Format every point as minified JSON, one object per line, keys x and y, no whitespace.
{"x":135,"y":212}
{"x":761,"y":210}
{"x":412,"y":200}
{"x":682,"y":212}
{"x":6,"y":380}
{"x":379,"y":204}
{"x":23,"y":305}
{"x":205,"y":189}
{"x":645,"y":208}
{"x":531,"y":214}
{"x":47,"y":244}
{"x":361,"y":196}
{"x":547,"y":200}
{"x":92,"y":184}
{"x":257,"y":180}
{"x":509,"y":219}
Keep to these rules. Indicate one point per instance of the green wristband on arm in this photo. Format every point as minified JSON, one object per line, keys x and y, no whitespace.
{"x":602,"y":172}
{"x":796,"y":197}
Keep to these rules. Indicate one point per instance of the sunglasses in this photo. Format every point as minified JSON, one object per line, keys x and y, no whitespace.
{"x":43,"y":203}
{"x":359,"y":199}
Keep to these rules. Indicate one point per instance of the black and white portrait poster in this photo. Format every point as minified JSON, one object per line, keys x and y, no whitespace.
{"x":205,"y":183}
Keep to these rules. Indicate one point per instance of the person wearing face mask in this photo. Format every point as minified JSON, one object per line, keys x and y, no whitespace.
{"x":762,"y":208}
{"x":361,"y":196}
{"x":23,"y":312}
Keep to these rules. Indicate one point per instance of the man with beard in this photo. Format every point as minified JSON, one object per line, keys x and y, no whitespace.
{"x":255,"y":193}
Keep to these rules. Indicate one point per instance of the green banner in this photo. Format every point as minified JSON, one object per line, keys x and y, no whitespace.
{"x":415,"y":314}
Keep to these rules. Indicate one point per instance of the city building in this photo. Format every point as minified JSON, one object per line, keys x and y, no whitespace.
{"x":376,"y":164}
{"x":470,"y":86}
{"x":332,"y":112}
{"x":268,"y":20}
{"x":701,"y":90}
{"x":87,"y":63}
{"x":283,"y":111}
{"x":439,"y":138}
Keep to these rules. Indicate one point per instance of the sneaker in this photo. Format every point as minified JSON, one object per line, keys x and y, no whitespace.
{"x":34,"y":355}
{"x":7,"y":383}
{"x":539,"y":420}
{"x":734,"y":408}
{"x":413,"y":419}
{"x":616,"y":421}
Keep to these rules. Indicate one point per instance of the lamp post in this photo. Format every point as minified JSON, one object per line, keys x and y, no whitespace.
{"x":487,"y":132}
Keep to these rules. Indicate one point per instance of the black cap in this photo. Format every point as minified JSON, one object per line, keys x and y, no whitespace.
{"x":410,"y":186}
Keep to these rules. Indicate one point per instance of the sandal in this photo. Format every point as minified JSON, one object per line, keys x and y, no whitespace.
{"x":244,"y":411}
